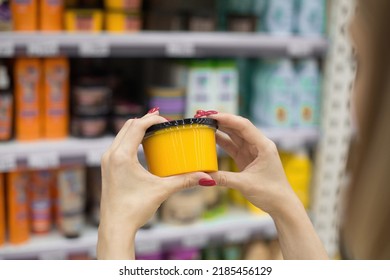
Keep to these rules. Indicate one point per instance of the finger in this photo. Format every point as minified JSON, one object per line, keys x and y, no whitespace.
{"x":233,"y":136}
{"x":241,"y":126}
{"x":226,"y":143}
{"x":136,"y":132}
{"x":185,"y":181}
{"x":233,"y":180}
{"x":121,"y":134}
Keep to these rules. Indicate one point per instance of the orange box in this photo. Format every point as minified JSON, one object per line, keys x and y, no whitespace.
{"x":17,"y":197}
{"x":24,"y":15}
{"x":51,"y":15}
{"x":55,"y":98}
{"x":28,"y":113}
{"x":2,"y":210}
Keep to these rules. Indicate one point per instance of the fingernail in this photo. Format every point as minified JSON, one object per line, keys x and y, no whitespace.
{"x":199,"y":111}
{"x":211,"y":112}
{"x":207,"y":182}
{"x":198,"y":116}
{"x":155,"y":109}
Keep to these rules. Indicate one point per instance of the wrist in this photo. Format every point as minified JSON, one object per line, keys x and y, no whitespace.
{"x":116,"y":241}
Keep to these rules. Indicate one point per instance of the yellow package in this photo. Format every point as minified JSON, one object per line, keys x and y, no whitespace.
{"x":122,"y":21}
{"x":90,"y":20}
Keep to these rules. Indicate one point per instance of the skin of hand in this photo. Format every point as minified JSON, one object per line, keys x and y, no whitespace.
{"x":263,"y":182}
{"x":130,"y":194}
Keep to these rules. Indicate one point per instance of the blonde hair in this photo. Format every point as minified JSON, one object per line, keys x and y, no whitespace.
{"x":366,"y":226}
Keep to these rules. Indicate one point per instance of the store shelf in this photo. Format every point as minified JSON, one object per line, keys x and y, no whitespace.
{"x":47,"y":154}
{"x":160,"y":44}
{"x":236,"y":226}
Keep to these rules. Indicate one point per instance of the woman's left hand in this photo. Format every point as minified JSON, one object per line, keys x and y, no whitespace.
{"x":130,"y":194}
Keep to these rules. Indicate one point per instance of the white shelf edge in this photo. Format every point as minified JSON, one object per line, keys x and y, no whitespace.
{"x":159,"y":234}
{"x":168,"y":43}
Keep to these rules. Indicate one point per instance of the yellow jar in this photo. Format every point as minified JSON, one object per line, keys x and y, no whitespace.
{"x":181,"y":146}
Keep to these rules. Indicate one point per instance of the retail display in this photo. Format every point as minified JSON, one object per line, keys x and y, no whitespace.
{"x":57,"y":99}
{"x":189,"y":143}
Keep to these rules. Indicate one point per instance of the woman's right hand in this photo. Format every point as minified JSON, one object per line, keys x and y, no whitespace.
{"x":261,"y":179}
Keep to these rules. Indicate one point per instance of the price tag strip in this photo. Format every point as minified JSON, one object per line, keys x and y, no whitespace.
{"x":43,"y":160}
{"x":180,"y":50}
{"x":7,"y":49}
{"x":43,"y":49}
{"x":7,"y":162}
{"x":94,"y":49}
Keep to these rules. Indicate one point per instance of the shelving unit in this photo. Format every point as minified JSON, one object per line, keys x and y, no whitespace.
{"x":160,"y":44}
{"x":235,"y":226}
{"x":48,"y":154}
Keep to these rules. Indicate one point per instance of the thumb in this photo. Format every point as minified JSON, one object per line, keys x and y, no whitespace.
{"x":186,"y":181}
{"x":231,"y":180}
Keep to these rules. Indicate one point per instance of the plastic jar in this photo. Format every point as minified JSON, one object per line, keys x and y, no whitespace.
{"x":181,"y":146}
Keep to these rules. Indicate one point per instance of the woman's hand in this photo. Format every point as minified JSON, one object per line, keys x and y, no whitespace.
{"x":263,"y":182}
{"x":130,"y":194}
{"x":262,"y":179}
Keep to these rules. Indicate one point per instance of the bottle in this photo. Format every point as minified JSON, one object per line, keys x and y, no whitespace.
{"x":71,"y":182}
{"x":6,"y":105}
{"x":17,"y":207}
{"x":273,"y":83}
{"x":307,"y":94}
{"x":298,"y":168}
{"x":278,"y":18}
{"x":40,"y":200}
{"x":94,"y":179}
{"x":28,"y":117}
{"x":24,"y":15}
{"x":5,"y":16}
{"x":2,"y":210}
{"x":226,"y":87}
{"x":311,"y":17}
{"x":200,"y":88}
{"x":56,"y":98}
{"x":51,"y":15}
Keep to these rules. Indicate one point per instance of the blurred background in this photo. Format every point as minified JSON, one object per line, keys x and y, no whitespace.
{"x":72,"y":72}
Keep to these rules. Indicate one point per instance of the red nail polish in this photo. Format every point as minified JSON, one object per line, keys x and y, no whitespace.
{"x":199,"y":111}
{"x":155,"y":109}
{"x":207,"y":182}
{"x":211,"y":112}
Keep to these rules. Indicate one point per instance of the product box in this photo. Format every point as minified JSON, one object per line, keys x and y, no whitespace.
{"x":28,"y":88}
{"x":56,"y":98}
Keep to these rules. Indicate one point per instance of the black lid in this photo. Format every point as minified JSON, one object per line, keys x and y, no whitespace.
{"x":205,"y":121}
